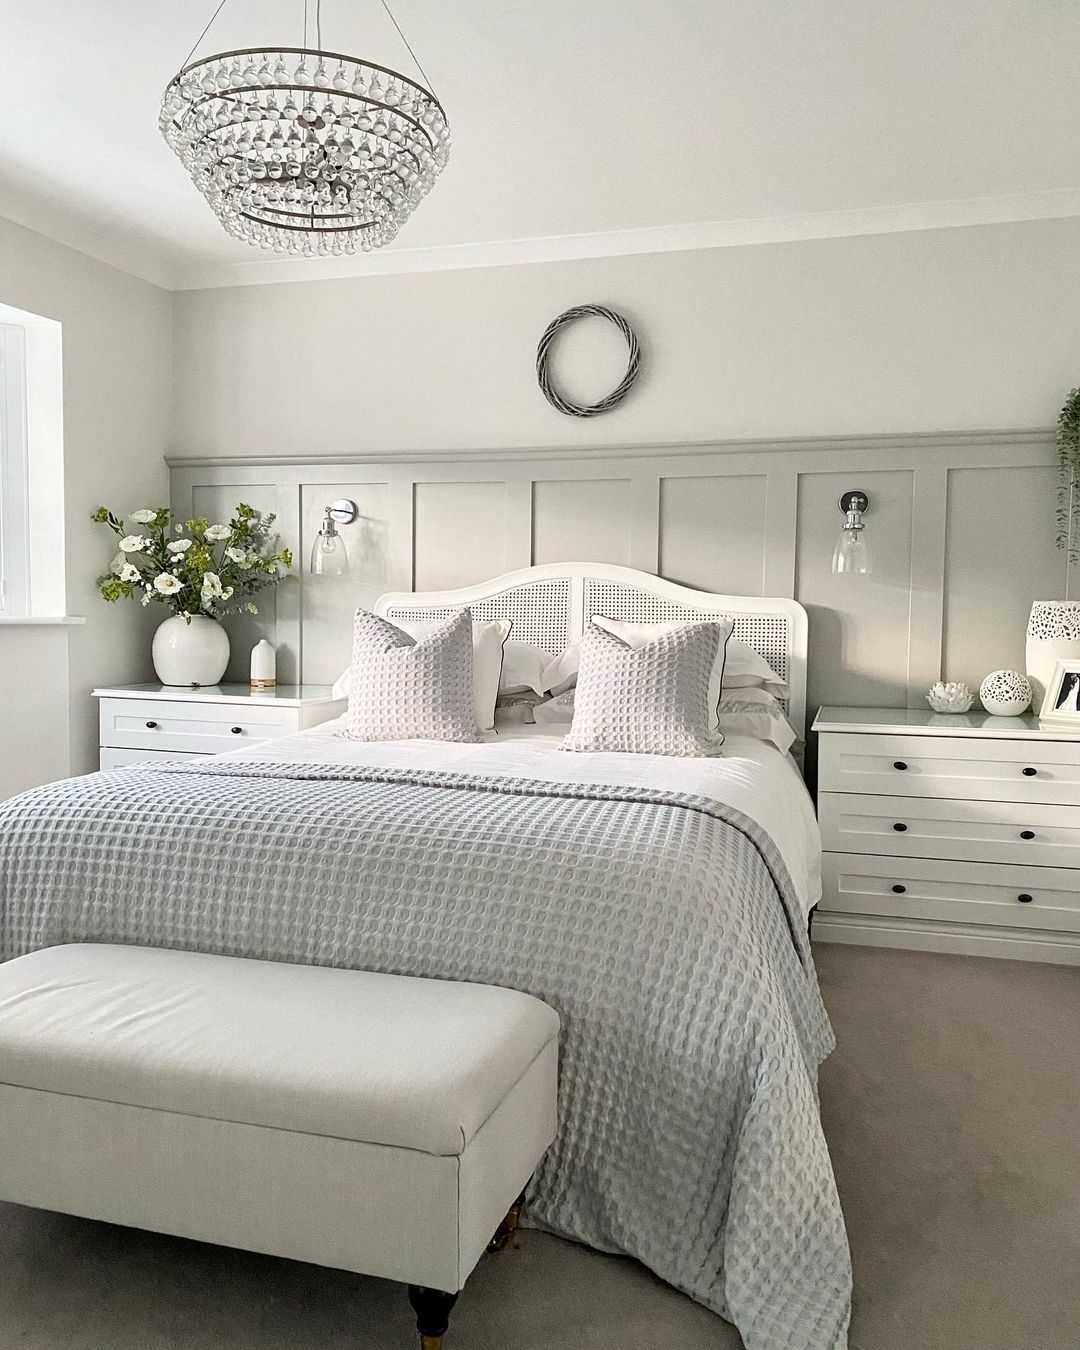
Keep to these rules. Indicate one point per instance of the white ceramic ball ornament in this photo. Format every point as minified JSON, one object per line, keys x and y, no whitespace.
{"x":1005,"y":693}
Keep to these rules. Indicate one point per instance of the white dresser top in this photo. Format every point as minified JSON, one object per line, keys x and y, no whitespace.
{"x":283,"y":695}
{"x":923,"y":722}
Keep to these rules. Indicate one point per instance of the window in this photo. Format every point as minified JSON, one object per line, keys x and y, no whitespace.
{"x":32,"y":581}
{"x":14,"y":502}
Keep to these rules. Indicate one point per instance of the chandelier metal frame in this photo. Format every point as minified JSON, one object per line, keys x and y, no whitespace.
{"x":321,"y":160}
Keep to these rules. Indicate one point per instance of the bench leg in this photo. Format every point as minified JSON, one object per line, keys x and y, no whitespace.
{"x":509,"y":1225}
{"x":432,"y":1308}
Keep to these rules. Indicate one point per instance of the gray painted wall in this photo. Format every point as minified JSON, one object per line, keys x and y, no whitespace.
{"x":947,"y":595}
{"x":940,"y":331}
{"x":116,"y":336}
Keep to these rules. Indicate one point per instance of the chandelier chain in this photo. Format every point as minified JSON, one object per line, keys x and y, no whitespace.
{"x":318,"y":22}
{"x":408,"y":48}
{"x":209,"y":25}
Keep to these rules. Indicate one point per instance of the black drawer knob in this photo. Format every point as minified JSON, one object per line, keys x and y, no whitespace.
{"x":898,"y":889}
{"x":900,"y":826}
{"x":1027,"y":834}
{"x":1024,"y":899}
{"x":1030,"y":772}
{"x":150,"y":726}
{"x":899,"y":764}
{"x":237,"y":731}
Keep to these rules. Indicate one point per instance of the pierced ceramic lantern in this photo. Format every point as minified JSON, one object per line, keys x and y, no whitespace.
{"x":1005,"y":693}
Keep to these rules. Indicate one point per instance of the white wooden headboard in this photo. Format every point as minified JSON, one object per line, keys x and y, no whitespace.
{"x":552,"y":605}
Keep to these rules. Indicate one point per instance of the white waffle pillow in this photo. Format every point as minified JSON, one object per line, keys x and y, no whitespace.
{"x":648,"y":699}
{"x":403,"y":688}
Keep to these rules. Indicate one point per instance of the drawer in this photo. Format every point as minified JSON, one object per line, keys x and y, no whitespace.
{"x":120,"y":759}
{"x":195,"y":727}
{"x":917,"y":827}
{"x":951,"y":766}
{"x":974,"y":893}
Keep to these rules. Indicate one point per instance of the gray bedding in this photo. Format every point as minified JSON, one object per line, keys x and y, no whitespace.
{"x":662,"y":927}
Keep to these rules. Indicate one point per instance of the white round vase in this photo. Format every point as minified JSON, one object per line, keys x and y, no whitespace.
{"x":190,"y":652}
{"x":1053,"y":635}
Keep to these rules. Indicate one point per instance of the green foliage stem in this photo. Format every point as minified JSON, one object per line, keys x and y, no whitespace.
{"x":1068,"y":500}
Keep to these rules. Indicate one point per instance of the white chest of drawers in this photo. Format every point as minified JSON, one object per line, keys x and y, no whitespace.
{"x":156,"y":721}
{"x":949,"y":833}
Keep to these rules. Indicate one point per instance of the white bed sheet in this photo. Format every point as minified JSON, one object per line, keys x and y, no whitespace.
{"x":750,"y":775}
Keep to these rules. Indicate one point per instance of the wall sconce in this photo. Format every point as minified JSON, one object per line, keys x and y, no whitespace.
{"x":852,"y":553}
{"x":329,"y":556}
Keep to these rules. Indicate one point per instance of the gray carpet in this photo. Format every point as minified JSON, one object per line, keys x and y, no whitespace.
{"x":953,"y":1112}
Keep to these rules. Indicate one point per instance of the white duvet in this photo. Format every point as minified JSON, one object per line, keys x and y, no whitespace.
{"x":750,"y":775}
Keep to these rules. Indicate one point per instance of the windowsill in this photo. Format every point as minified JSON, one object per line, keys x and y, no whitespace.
{"x":39,"y":620}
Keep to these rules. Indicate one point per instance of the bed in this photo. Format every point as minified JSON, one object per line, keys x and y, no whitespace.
{"x":659,"y":904}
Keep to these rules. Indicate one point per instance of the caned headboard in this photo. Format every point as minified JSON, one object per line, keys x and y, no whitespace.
{"x":552,"y":605}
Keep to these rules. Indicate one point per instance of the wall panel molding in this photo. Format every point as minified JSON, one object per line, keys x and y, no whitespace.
{"x":874,"y":443}
{"x":761,"y":518}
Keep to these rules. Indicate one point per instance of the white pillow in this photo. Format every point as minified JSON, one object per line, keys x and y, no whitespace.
{"x":745,"y":669}
{"x":561,"y":674}
{"x":403,"y":689}
{"x":523,"y":668}
{"x":488,"y":642}
{"x":738,"y":666}
{"x":747,"y":711}
{"x":637,"y":634}
{"x":755,"y":712}
{"x":649,"y":697}
{"x":556,"y":709}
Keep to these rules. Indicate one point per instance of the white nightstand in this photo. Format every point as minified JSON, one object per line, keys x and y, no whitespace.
{"x":957,"y":833}
{"x":158,"y":721}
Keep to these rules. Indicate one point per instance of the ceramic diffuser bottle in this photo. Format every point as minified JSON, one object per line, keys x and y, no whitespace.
{"x":263,"y":666}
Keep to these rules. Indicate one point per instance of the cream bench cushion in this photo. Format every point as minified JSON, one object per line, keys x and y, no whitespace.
{"x":373,"y":1122}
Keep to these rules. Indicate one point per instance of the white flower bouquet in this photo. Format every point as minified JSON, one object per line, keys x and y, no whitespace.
{"x":194,"y":567}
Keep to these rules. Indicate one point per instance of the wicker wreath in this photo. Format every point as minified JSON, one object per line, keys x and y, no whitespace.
{"x":618,"y":393}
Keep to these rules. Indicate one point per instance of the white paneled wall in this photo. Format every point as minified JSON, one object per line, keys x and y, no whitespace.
{"x":581,"y":519}
{"x":713,"y":529}
{"x":961,"y":528}
{"x":460,"y":533}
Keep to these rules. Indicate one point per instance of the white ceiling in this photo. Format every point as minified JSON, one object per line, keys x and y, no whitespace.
{"x":581,"y":127}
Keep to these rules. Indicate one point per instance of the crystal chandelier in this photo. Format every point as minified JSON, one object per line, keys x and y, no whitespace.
{"x":305,"y":151}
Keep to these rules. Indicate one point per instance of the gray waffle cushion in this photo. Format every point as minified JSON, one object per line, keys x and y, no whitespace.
{"x":651,"y":699}
{"x":406,"y":689}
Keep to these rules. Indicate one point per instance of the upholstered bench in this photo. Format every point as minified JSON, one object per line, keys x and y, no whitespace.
{"x":375,"y":1123}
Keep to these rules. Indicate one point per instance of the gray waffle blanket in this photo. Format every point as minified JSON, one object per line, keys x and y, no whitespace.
{"x":663,"y":928}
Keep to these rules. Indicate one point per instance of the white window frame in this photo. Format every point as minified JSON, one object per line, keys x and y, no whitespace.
{"x":14,"y":483}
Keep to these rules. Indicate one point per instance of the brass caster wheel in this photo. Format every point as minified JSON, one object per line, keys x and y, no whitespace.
{"x":509,"y":1225}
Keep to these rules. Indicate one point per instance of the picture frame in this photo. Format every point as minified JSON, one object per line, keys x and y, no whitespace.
{"x":1061,"y":702}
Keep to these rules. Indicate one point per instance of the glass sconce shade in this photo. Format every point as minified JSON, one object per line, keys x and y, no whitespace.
{"x":851,"y":556}
{"x":329,"y":556}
